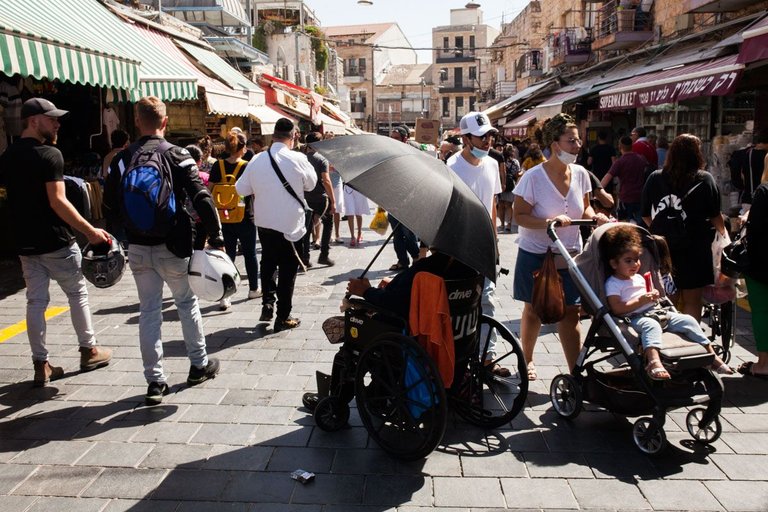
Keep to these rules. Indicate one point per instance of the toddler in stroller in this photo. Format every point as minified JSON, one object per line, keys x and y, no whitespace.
{"x":610,"y":371}
{"x":633,"y":296}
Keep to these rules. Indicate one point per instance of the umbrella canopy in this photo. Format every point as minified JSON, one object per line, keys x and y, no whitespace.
{"x":421,"y":192}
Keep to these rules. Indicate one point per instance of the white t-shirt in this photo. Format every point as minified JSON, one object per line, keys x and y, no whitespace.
{"x":483,"y":179}
{"x":537,"y":189}
{"x":273,"y":207}
{"x":628,"y":289}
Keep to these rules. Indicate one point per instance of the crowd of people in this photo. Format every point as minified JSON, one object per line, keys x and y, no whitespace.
{"x":290,"y":199}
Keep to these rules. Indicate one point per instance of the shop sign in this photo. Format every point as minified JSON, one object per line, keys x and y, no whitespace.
{"x":718,"y":84}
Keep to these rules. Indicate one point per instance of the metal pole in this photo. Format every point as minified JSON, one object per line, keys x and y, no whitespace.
{"x":374,"y":127}
{"x":422,"y":97}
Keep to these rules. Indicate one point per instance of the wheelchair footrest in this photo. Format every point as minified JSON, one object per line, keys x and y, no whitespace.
{"x":323,"y":384}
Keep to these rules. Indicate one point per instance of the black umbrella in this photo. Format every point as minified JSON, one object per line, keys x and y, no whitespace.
{"x":421,"y":192}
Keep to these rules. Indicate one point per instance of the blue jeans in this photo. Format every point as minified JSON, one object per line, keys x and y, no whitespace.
{"x":650,"y":330}
{"x":404,"y":240}
{"x":64,"y":267}
{"x":153,"y":265}
{"x":245,"y":232}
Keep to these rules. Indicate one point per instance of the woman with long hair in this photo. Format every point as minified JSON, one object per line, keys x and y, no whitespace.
{"x":684,"y":190}
{"x":556,"y":189}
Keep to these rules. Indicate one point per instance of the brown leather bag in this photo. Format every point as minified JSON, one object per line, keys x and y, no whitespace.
{"x":548,"y":299}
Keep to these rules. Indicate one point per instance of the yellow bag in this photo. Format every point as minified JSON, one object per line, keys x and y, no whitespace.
{"x":229,"y":204}
{"x":380,"y":223}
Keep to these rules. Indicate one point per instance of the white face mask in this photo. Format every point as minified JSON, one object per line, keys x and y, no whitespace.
{"x":566,"y":158}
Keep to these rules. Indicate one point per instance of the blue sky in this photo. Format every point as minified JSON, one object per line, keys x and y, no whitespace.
{"x":415,"y":17}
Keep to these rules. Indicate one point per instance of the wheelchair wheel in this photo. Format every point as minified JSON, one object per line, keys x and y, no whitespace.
{"x":331,"y":413}
{"x":649,"y":436}
{"x":489,"y":399}
{"x":706,"y":434}
{"x":400,"y":397}
{"x":566,"y":397}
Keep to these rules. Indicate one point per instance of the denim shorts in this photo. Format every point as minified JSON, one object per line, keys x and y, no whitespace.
{"x":527,"y":263}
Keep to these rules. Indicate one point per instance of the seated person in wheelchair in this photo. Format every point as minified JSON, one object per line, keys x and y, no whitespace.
{"x":395,"y":294}
{"x":629,"y":295}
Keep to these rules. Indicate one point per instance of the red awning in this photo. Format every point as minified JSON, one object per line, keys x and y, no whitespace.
{"x":755,"y":45}
{"x":714,"y":78}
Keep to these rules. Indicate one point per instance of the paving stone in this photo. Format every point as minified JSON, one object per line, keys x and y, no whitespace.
{"x":742,"y":467}
{"x":47,"y":503}
{"x":281,"y":435}
{"x":265,"y":415}
{"x":746,"y":496}
{"x":316,"y":460}
{"x":211,"y":414}
{"x":106,"y":454}
{"x":16,"y":503}
{"x":678,"y":495}
{"x":233,"y":434}
{"x":142,"y":506}
{"x":11,"y":475}
{"x":255,"y":486}
{"x":54,"y":452}
{"x":557,"y":465}
{"x":174,"y":455}
{"x":125,"y":483}
{"x":503,"y":465}
{"x":354,"y":437}
{"x":364,"y":462}
{"x":610,"y":494}
{"x":397,"y":489}
{"x":164,"y":432}
{"x":538,"y":493}
{"x":468,"y":492}
{"x":248,"y":458}
{"x":331,"y":489}
{"x":747,"y":443}
{"x":206,"y":506}
{"x":57,"y":481}
{"x":192,"y":484}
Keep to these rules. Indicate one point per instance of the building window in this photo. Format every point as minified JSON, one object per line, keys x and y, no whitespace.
{"x":443,"y":75}
{"x":358,"y":101}
{"x":446,"y":107}
{"x":361,"y":64}
{"x":473,"y":73}
{"x":460,"y":108}
{"x":472,"y":103}
{"x":459,"y":41}
{"x":472,"y":42}
{"x":458,"y":77}
{"x":446,"y":44}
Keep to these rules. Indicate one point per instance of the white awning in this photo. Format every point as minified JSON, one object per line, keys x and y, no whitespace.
{"x":332,"y":125}
{"x":266,"y":116}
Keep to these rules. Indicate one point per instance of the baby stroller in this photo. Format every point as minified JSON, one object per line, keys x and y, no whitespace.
{"x":609,"y":370}
{"x":400,"y":395}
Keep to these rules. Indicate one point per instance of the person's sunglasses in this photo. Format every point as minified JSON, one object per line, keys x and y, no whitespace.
{"x":488,"y":136}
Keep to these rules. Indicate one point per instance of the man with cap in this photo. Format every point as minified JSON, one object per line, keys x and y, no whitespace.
{"x":404,"y":240}
{"x":32,"y":170}
{"x":156,"y":261}
{"x":481,"y":174}
{"x":277,"y":178}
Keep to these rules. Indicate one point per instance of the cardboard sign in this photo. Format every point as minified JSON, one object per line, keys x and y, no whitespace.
{"x":427,"y":131}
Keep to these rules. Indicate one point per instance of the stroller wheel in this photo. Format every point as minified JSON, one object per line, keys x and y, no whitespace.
{"x":703,"y":433}
{"x":565,"y":394}
{"x":331,"y":414}
{"x":649,"y":436}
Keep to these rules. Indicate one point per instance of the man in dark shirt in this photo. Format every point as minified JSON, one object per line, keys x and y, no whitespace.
{"x":155,"y":261}
{"x":601,"y":156}
{"x":321,"y":202}
{"x":33,"y":172}
{"x":630,"y":170}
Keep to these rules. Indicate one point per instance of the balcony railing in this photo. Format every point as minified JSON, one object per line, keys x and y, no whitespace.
{"x":620,"y":28}
{"x":570,"y":46}
{"x":530,"y":64}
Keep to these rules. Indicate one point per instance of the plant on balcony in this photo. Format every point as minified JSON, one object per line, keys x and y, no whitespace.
{"x":318,"y":46}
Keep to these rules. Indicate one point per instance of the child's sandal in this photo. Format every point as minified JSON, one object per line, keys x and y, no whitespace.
{"x":656,"y":371}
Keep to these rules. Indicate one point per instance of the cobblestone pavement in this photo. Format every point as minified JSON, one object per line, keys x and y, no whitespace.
{"x":87,"y":443}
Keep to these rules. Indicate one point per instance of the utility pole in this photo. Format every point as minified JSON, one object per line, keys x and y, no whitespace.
{"x":374,"y":127}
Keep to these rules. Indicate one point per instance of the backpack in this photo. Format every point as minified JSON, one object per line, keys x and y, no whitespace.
{"x":668,"y":219}
{"x":229,"y":204}
{"x":77,"y":194}
{"x":513,"y":168}
{"x":147,"y":200}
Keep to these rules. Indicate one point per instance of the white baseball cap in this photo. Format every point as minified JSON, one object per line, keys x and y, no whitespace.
{"x":475,"y":123}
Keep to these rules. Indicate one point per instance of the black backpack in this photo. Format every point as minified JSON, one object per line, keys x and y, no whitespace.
{"x":77,"y":194}
{"x":147,"y":201}
{"x":668,"y":218}
{"x":513,"y":167}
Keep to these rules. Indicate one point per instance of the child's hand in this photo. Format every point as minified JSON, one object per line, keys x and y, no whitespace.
{"x":651,"y":296}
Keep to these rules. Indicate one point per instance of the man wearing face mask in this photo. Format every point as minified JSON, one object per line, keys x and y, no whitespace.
{"x":481,"y":174}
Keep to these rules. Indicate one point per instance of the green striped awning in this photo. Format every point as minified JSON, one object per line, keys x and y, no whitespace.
{"x":50,"y":40}
{"x":220,"y":68}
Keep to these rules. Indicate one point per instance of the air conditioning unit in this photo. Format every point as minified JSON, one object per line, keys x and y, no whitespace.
{"x":683,"y":22}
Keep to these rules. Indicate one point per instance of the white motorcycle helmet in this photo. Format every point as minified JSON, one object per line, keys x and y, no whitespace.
{"x":212,"y":275}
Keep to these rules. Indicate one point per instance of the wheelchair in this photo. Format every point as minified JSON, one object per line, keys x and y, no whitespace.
{"x":400,"y":396}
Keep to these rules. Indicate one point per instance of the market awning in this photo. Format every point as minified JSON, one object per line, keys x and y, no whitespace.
{"x":293,"y":104}
{"x":336,"y":112}
{"x":755,"y":45}
{"x":220,"y":98}
{"x":714,"y":78}
{"x":49,"y":40}
{"x":525,"y":93}
{"x":519,"y":126}
{"x":267,"y":117}
{"x":220,"y":68}
{"x":332,"y":125}
{"x":210,"y":12}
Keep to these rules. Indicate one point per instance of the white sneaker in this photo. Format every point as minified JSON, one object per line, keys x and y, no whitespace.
{"x":224,"y":304}
{"x":254,"y":294}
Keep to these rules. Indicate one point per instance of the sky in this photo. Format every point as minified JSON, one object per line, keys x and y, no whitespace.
{"x":415,"y":17}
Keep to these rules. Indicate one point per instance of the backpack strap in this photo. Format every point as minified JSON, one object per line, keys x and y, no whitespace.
{"x":238,"y":167}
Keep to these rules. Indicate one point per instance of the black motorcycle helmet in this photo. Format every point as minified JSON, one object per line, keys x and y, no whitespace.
{"x":104,"y":264}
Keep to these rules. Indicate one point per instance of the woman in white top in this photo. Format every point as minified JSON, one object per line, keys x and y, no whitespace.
{"x":557,"y":189}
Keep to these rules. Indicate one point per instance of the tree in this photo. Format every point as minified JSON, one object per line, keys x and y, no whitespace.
{"x":318,"y":46}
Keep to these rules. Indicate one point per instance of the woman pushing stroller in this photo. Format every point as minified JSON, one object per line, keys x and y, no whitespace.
{"x":631,"y":295}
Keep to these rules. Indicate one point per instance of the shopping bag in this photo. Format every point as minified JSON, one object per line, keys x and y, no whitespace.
{"x":380,"y":223}
{"x":548,"y":299}
{"x":734,"y":260}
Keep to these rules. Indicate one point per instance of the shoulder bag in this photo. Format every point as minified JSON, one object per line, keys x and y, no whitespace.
{"x":548,"y":298}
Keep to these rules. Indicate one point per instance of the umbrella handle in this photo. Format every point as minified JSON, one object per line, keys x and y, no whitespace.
{"x":376,"y":256}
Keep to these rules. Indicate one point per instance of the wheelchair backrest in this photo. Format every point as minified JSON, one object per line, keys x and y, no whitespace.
{"x":464,"y":296}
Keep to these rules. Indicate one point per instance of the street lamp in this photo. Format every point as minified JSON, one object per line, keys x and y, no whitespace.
{"x":364,"y":2}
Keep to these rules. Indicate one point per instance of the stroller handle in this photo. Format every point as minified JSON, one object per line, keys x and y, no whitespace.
{"x":575,"y":222}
